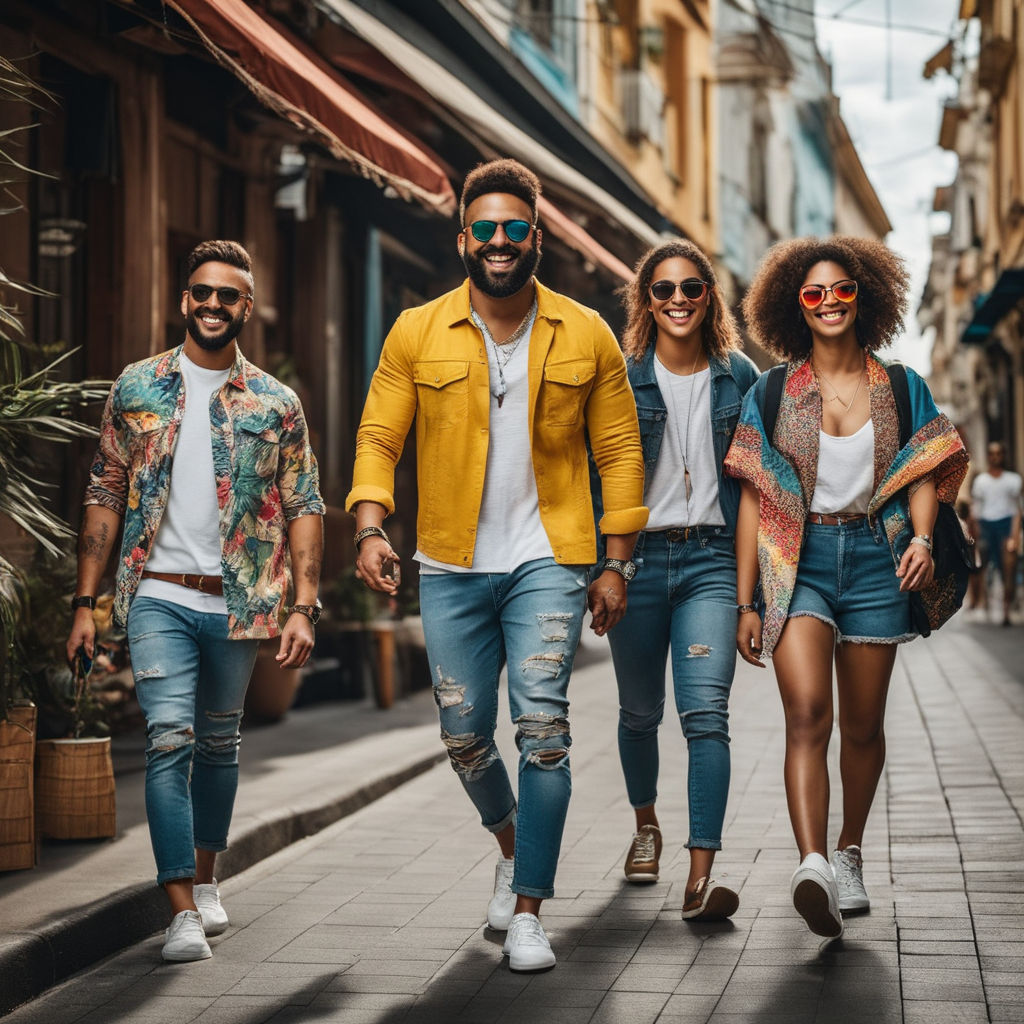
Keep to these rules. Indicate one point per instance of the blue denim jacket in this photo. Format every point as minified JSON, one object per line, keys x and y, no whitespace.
{"x":731,"y":378}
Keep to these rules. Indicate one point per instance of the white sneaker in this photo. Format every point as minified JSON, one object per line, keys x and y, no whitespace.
{"x":185,"y":939}
{"x":207,"y":897}
{"x":503,"y":902}
{"x":848,"y":867}
{"x":816,"y":896}
{"x":527,"y":946}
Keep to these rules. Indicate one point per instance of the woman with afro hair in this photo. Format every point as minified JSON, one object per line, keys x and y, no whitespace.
{"x":688,"y":378}
{"x":836,"y":520}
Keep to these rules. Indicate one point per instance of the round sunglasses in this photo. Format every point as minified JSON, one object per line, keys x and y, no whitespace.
{"x":225,"y":296}
{"x":813,"y":295}
{"x":515,"y":230}
{"x":693,"y":288}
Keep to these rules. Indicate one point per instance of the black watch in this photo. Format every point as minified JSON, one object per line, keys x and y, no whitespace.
{"x":83,"y":602}
{"x":627,"y":570}
{"x":311,"y":611}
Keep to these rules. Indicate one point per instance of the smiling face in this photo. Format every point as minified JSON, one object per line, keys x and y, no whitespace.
{"x":677,"y":318}
{"x":212,"y":324}
{"x":833,"y":318}
{"x":499,"y":267}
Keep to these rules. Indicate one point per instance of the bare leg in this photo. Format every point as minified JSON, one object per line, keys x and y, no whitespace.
{"x":645,"y":816}
{"x":179,"y":892}
{"x":863,"y":672}
{"x":507,"y":841}
{"x":1009,"y":565}
{"x":803,"y":667}
{"x":204,"y":866}
{"x":701,"y":862}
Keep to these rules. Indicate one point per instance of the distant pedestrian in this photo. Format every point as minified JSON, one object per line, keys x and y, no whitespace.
{"x":505,"y":379}
{"x":688,"y":378}
{"x":204,"y":460}
{"x":838,"y":524}
{"x":996,"y":509}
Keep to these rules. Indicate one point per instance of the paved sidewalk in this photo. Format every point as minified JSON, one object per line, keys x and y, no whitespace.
{"x":379,"y":917}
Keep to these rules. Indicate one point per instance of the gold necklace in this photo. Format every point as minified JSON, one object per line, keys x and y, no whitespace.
{"x":835,"y":391}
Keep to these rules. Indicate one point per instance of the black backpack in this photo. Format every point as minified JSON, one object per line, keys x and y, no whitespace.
{"x":952,"y":549}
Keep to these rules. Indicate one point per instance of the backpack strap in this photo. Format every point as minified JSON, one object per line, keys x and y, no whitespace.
{"x":772,"y":400}
{"x":897,"y":372}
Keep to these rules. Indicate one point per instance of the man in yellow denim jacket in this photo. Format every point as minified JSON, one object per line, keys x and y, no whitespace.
{"x":505,"y":379}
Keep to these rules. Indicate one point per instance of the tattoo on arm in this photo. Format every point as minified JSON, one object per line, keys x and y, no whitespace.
{"x":312,"y":571}
{"x":96,"y":545}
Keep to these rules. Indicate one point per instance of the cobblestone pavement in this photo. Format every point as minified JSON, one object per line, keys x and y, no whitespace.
{"x":379,"y":918}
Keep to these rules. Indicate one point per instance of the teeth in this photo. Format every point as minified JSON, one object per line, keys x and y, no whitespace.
{"x":832,"y":316}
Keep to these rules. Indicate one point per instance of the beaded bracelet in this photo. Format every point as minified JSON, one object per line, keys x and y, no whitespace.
{"x":923,"y":539}
{"x":370,"y":531}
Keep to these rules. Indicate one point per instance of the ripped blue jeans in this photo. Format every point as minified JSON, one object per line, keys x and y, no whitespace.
{"x":530,"y":618}
{"x":682,"y":606}
{"x":190,"y":680}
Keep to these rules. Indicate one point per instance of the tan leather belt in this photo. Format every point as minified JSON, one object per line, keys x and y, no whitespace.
{"x":820,"y":519}
{"x":206,"y":584}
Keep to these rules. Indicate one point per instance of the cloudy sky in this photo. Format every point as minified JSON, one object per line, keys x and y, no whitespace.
{"x":893,"y":116}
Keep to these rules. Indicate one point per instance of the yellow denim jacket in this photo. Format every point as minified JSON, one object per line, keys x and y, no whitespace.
{"x":434,"y":367}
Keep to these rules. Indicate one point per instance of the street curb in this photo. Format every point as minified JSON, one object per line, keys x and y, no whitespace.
{"x":33,"y":961}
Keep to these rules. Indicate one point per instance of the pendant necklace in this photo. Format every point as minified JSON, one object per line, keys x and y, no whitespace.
{"x":835,"y":391}
{"x":684,"y":442}
{"x":507,"y":348}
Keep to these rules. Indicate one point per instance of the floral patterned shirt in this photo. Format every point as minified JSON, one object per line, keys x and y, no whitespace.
{"x":265,"y":469}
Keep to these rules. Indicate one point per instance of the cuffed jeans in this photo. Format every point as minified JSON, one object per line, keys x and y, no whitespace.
{"x":190,"y":680}
{"x":683,"y":599}
{"x":473,"y":624}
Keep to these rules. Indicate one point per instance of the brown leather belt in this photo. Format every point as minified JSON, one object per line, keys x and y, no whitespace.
{"x":206,"y":584}
{"x":820,"y":519}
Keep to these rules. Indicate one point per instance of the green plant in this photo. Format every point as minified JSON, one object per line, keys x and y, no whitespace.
{"x":35,"y":408}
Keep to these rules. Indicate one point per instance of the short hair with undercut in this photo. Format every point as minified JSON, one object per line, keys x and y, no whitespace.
{"x":508,"y":176}
{"x":772,"y":308}
{"x":219,"y":250}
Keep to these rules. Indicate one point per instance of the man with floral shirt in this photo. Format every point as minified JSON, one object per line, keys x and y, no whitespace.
{"x":206,"y":460}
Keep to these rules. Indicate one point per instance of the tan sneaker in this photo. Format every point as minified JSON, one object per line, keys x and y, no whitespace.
{"x":710,"y":902}
{"x":644,"y":853}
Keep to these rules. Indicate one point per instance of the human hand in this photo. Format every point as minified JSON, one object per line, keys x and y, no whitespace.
{"x":606,"y":600}
{"x":377,"y":565}
{"x":748,"y":638}
{"x":296,"y":642}
{"x":82,"y":635}
{"x":916,"y":569}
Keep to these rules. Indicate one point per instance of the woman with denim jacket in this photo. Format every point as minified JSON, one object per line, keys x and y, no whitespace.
{"x":835,"y":522}
{"x":688,"y":378}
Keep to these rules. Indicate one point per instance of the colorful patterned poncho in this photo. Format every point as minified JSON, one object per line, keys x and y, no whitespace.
{"x":785,"y":474}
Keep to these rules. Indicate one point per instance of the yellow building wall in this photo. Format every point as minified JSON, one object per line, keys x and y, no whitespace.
{"x":662,"y":49}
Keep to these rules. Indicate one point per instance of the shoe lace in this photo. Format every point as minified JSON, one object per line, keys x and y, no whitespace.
{"x":643,"y":846}
{"x":529,"y":932}
{"x":503,"y":876}
{"x":846,"y":869}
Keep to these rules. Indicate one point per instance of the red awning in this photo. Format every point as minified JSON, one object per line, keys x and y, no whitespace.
{"x":287,"y":76}
{"x":558,"y":223}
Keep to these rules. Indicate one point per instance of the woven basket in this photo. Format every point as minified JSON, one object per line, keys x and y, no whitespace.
{"x":75,"y":789}
{"x":17,"y":825}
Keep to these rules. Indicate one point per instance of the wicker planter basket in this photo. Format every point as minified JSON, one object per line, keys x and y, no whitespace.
{"x":75,"y":789}
{"x":17,"y":825}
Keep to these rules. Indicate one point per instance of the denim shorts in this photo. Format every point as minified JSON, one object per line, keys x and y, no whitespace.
{"x":847,"y":578}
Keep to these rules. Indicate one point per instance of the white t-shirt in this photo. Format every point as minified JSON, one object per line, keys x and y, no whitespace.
{"x":687,"y":442}
{"x":509,"y":531}
{"x":188,"y":538}
{"x":996,"y":497}
{"x":846,"y":472}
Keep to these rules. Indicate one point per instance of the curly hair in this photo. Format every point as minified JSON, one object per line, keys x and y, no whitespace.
{"x":772,"y":309}
{"x":500,"y":176}
{"x":719,"y":331}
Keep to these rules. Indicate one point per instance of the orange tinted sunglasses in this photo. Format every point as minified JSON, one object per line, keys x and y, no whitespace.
{"x":813,"y":295}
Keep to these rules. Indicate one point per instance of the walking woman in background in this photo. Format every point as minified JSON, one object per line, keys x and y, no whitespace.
{"x":688,"y":378}
{"x":838,"y":521}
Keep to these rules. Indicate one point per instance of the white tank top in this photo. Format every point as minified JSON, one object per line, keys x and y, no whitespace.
{"x":846,"y":472}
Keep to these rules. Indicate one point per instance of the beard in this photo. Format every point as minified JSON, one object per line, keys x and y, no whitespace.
{"x":215,"y":344}
{"x":508,"y":284}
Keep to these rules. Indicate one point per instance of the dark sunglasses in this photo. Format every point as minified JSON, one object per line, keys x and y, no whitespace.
{"x":225,"y":296}
{"x":515,"y":230}
{"x":813,"y":295}
{"x":693,"y":288}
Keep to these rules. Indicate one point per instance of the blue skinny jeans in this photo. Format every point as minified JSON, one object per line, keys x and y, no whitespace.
{"x":475,"y":623}
{"x":682,"y":601}
{"x":190,"y":680}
